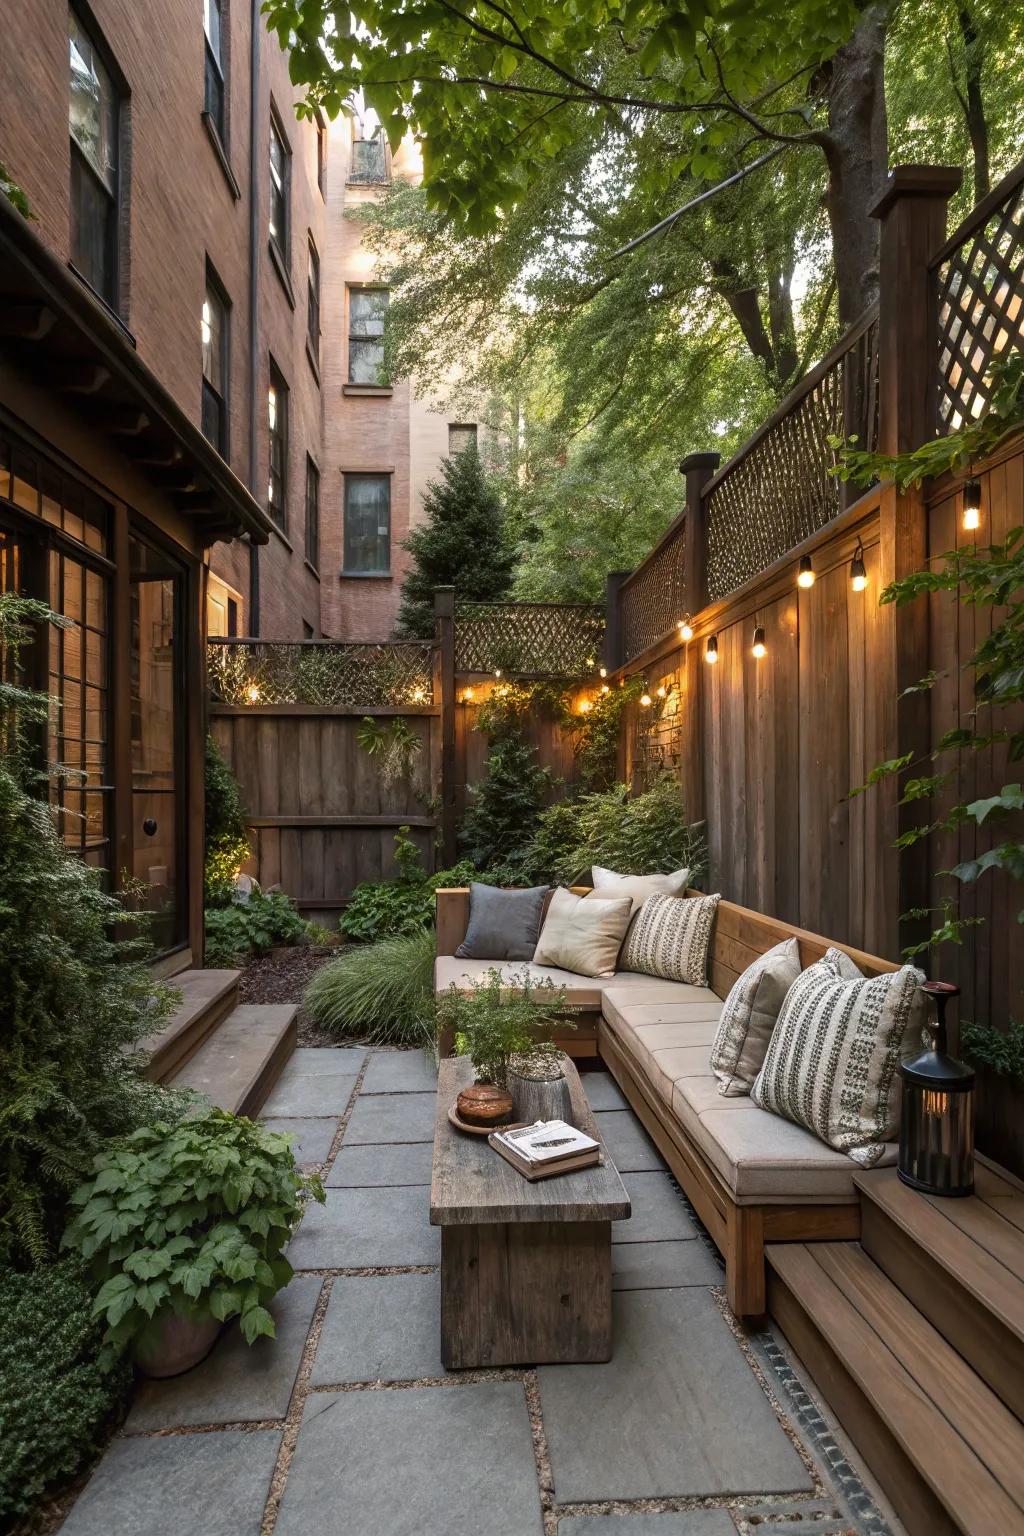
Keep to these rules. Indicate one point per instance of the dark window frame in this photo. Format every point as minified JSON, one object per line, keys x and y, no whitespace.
{"x":313,"y":290}
{"x":321,"y":153}
{"x":117,"y":233}
{"x":277,"y":473}
{"x":463,"y":426}
{"x":222,"y":443}
{"x":312,"y":512}
{"x":218,"y":121}
{"x":282,"y":240}
{"x":349,"y":477}
{"x":381,"y":382}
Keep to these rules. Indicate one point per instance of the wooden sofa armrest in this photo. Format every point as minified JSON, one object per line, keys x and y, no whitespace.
{"x":452,"y":918}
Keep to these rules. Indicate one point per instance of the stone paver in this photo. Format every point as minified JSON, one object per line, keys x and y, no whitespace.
{"x":658,"y":1211}
{"x":692,"y":1522}
{"x":650,"y":1266}
{"x":236,"y":1384}
{"x":698,"y":1420}
{"x":179,"y":1485}
{"x":602,"y":1091}
{"x":326,"y":1060}
{"x":310,"y":1095}
{"x":400,"y":1072}
{"x":367,"y":1228}
{"x":421,"y":1461}
{"x":391,"y":1117}
{"x":312,"y":1138}
{"x":627,"y":1142}
{"x":380,"y":1328}
{"x":386,"y":1163}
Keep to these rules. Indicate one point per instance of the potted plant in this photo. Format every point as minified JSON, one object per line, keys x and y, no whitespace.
{"x":504,"y":1025}
{"x":184,"y":1228}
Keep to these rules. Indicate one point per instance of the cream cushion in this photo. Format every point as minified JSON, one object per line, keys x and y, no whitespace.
{"x":580,"y":991}
{"x":581,"y":935}
{"x":638,"y":887}
{"x":669,"y":937}
{"x":749,"y":1016}
{"x":832,"y":1064}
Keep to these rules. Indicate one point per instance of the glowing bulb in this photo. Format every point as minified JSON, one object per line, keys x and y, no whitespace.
{"x":685,"y":629}
{"x":585,"y":706}
{"x":711,"y":649}
{"x":497,"y":671}
{"x":467,"y":696}
{"x":972,"y":504}
{"x":602,"y":671}
{"x":252,"y":694}
{"x":858,"y":570}
{"x":805,"y":574}
{"x":661,"y":690}
{"x":605,"y":688}
{"x":759,"y":648}
{"x":645,"y":700}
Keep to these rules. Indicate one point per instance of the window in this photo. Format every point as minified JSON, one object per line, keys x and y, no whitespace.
{"x":277,"y":409}
{"x":280,"y":191}
{"x":321,"y":153}
{"x":367,"y":525}
{"x":312,"y":514}
{"x":461,"y":435}
{"x":369,"y":160}
{"x":367,"y":308}
{"x":94,"y":121}
{"x":313,"y":303}
{"x":215,"y":88}
{"x":214,"y":336}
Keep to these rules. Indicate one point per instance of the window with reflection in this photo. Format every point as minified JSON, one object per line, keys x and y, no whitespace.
{"x":280,"y":192}
{"x":94,"y":121}
{"x":312,"y":514}
{"x":313,"y":302}
{"x":367,"y":312}
{"x":367,"y":549}
{"x":277,"y":417}
{"x":215,"y":89}
{"x":213,"y":331}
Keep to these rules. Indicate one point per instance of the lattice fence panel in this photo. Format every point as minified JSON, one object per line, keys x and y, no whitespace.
{"x":528,"y":639}
{"x":652,"y":600}
{"x":980,"y":291}
{"x":780,"y":492}
{"x":321,"y":672}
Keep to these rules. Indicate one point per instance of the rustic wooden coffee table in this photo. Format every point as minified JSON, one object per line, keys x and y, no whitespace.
{"x":526,"y":1269}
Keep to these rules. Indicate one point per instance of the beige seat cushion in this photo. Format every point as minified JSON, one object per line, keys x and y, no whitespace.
{"x":664,"y":1037}
{"x":581,"y":991}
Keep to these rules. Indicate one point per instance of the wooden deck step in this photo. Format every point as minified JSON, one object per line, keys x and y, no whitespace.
{"x":947,"y":1451}
{"x":961,"y":1262}
{"x":206,"y":998}
{"x":242,"y":1059}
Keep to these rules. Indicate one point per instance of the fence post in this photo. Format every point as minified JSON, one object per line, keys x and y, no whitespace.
{"x":613,"y":619}
{"x":444,"y":633}
{"x":912,"y":212}
{"x":697,"y":468}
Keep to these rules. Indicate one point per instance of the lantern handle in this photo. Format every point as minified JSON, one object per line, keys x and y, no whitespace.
{"x":940,"y":993}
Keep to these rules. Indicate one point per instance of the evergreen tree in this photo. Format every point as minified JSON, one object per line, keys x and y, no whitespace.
{"x":461,"y":544}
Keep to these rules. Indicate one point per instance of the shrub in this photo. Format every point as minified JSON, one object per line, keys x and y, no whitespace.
{"x":498,"y":1028}
{"x":378,"y":909}
{"x":57,"y":1398}
{"x":227,"y":835}
{"x":383,"y":992}
{"x":193,"y":1218}
{"x":268,"y":918}
{"x":505,"y":808}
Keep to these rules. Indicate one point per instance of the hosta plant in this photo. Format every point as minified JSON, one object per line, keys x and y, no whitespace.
{"x":193,"y":1219}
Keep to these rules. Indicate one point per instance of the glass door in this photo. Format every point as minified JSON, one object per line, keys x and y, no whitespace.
{"x":157,"y":739}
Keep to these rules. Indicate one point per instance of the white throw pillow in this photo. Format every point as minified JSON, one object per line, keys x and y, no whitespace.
{"x":749,"y":1016}
{"x":638,"y":887}
{"x":833,"y":1057}
{"x":582,"y":935}
{"x":669,"y":937}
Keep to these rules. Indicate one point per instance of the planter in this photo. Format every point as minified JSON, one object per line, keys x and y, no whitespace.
{"x":173,"y":1344}
{"x":540,"y":1098}
{"x":485,"y":1105}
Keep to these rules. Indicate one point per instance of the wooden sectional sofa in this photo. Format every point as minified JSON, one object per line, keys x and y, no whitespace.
{"x":752,"y":1177}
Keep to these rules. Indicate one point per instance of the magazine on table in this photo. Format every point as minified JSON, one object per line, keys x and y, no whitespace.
{"x":549,"y":1146}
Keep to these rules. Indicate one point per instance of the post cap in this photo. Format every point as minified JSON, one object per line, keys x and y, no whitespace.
{"x":699,"y":461}
{"x":916,"y":181}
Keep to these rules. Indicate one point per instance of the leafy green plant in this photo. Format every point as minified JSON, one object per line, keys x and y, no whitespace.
{"x":596,"y":736}
{"x":505,"y":806}
{"x":75,"y":1002}
{"x":226,"y":829}
{"x":57,"y":1396}
{"x":378,"y":909}
{"x":265,"y":920}
{"x":1002,"y":1051}
{"x":393,"y":747}
{"x":190,"y":1219}
{"x":14,"y":194}
{"x":504,"y":1021}
{"x":382,"y":993}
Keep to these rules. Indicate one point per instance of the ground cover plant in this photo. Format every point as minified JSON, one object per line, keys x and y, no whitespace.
{"x":382,"y":993}
{"x":379,"y":909}
{"x":263,"y":920}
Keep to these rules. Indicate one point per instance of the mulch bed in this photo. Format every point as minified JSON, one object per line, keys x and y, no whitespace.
{"x":282,"y":976}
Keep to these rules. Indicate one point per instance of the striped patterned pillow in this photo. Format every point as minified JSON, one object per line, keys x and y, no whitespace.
{"x":832,"y":1060}
{"x":669,"y":937}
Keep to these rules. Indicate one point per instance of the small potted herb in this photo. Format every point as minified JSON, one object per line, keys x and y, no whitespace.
{"x":184,"y":1228}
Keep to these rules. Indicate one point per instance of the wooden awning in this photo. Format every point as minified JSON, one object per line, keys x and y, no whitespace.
{"x":54,"y":328}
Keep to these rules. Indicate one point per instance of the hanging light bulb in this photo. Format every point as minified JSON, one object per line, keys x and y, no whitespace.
{"x":497,"y":671}
{"x":711,"y":649}
{"x":685,"y":628}
{"x":467,"y":696}
{"x":805,"y":572}
{"x":972,"y":503}
{"x":645,"y":699}
{"x":605,"y":688}
{"x":602,"y":671}
{"x":858,"y":570}
{"x":585,"y":706}
{"x":759,"y":648}
{"x":252,"y":694}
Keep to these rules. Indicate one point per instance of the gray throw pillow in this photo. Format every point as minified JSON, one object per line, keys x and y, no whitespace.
{"x":503,"y":925}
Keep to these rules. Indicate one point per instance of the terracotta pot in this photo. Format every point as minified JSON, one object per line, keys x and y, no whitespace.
{"x":484,"y":1104}
{"x":173,"y":1344}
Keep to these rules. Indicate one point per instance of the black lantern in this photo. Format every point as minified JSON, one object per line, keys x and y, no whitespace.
{"x":937,"y":1111}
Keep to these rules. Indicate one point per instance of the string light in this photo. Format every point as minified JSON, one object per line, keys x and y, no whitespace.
{"x":661,"y":691}
{"x":252,"y":694}
{"x":602,"y":671}
{"x":685,"y":628}
{"x":972,"y":504}
{"x":605,"y":688}
{"x":805,"y":572}
{"x":759,"y":648}
{"x":711,"y":649}
{"x":467,"y":696}
{"x":497,"y":671}
{"x":858,"y":570}
{"x":585,"y":706}
{"x":645,"y":699}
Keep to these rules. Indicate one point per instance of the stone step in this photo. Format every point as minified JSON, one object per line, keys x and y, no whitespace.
{"x":241,"y":1060}
{"x":961,"y":1262}
{"x":946,"y":1450}
{"x":206,"y":998}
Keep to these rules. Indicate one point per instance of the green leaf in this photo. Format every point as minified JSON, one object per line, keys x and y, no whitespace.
{"x":1010,"y":798}
{"x":256,"y":1323}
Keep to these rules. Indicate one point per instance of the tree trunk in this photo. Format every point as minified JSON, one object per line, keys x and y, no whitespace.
{"x":745,"y":303}
{"x":780,"y":319}
{"x":972,"y":102}
{"x":857,"y":151}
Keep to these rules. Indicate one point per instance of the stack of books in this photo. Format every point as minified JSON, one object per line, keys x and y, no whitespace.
{"x":550,"y":1146}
